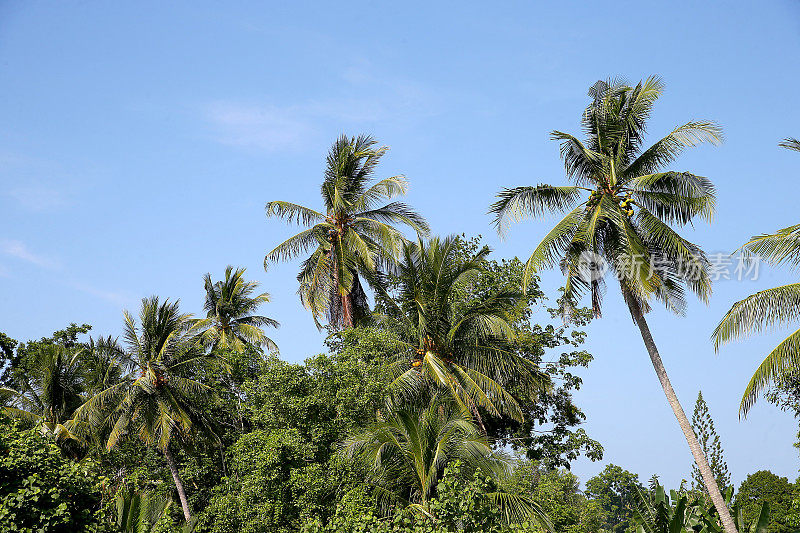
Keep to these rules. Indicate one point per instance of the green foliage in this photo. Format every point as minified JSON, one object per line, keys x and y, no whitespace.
{"x":160,"y":397}
{"x":548,"y":431}
{"x":274,"y":481}
{"x":464,"y":503}
{"x":779,"y":306}
{"x":681,"y":512}
{"x":631,"y":204}
{"x":405,"y":452}
{"x":49,"y":389}
{"x":623,"y":229}
{"x":7,"y":346}
{"x":454,"y":345}
{"x":558,"y":495}
{"x":18,"y":362}
{"x":352,"y":238}
{"x":40,"y":490}
{"x":616,"y":490}
{"x":144,"y":512}
{"x":765,"y":487}
{"x":284,"y":471}
{"x":709,"y":440}
{"x":673,"y":513}
{"x":231,"y":322}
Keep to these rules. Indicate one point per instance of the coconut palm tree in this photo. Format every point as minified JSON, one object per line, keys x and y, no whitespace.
{"x":230,"y":308}
{"x":778,"y":306}
{"x":49,"y":390}
{"x":102,"y":362}
{"x":352,"y":238}
{"x":405,"y":453}
{"x":159,"y":399}
{"x":461,"y":348}
{"x":624,"y":226}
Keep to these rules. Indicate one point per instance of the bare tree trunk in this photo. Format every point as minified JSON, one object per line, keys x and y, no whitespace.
{"x":347,"y":308}
{"x":346,"y":303}
{"x":683,"y":421}
{"x":178,"y":484}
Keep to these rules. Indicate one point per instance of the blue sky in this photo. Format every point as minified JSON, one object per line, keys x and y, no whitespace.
{"x":139,"y":143}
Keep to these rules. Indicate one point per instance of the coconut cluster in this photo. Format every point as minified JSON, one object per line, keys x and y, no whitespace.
{"x":594,"y":199}
{"x":418,"y":360}
{"x":625,"y":202}
{"x":627,"y":206}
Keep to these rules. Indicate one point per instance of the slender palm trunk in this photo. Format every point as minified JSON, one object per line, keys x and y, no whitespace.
{"x":699,"y":457}
{"x":173,"y":468}
{"x":347,"y":310}
{"x":346,"y":300}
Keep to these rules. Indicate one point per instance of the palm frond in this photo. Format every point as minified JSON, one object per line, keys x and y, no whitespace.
{"x":768,"y":308}
{"x":784,"y":359}
{"x":671,"y":146}
{"x":553,"y":246}
{"x":781,"y":247}
{"x":513,"y":205}
{"x":790,"y":143}
{"x":293,"y":213}
{"x":675,"y":197}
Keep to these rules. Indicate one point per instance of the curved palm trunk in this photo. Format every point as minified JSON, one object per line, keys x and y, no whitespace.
{"x":683,"y":421}
{"x":173,"y":468}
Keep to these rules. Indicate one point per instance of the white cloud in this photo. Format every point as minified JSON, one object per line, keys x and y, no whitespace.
{"x":270,"y":127}
{"x":262,"y":127}
{"x":118,"y":298}
{"x":19,"y":250}
{"x":38,"y":198}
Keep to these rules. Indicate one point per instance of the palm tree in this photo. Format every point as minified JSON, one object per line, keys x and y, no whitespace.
{"x":48,"y":391}
{"x":159,"y":398}
{"x":230,"y":320}
{"x":462,"y":348}
{"x":102,"y":364}
{"x":624,"y":225}
{"x":142,"y":512}
{"x":406,"y":452}
{"x":768,"y":308}
{"x":352,"y":238}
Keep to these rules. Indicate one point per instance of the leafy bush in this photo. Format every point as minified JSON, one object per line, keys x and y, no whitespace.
{"x":40,"y":490}
{"x":463,"y":505}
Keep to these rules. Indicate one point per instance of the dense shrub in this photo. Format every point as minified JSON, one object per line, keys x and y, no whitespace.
{"x":40,"y":490}
{"x":461,"y":505}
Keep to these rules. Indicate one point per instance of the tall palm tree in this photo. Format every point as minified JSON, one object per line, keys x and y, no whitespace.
{"x":624,"y":224}
{"x":352,"y":238}
{"x":159,"y":398}
{"x":460,"y":348}
{"x":230,"y":308}
{"x":778,"y":306}
{"x":406,"y":452}
{"x":49,"y":390}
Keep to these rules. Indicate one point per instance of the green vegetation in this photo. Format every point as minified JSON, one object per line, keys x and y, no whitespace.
{"x":445,"y":406}
{"x":703,"y":426}
{"x":352,"y":239}
{"x":625,"y":221}
{"x":774,"y":307}
{"x":40,"y":489}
